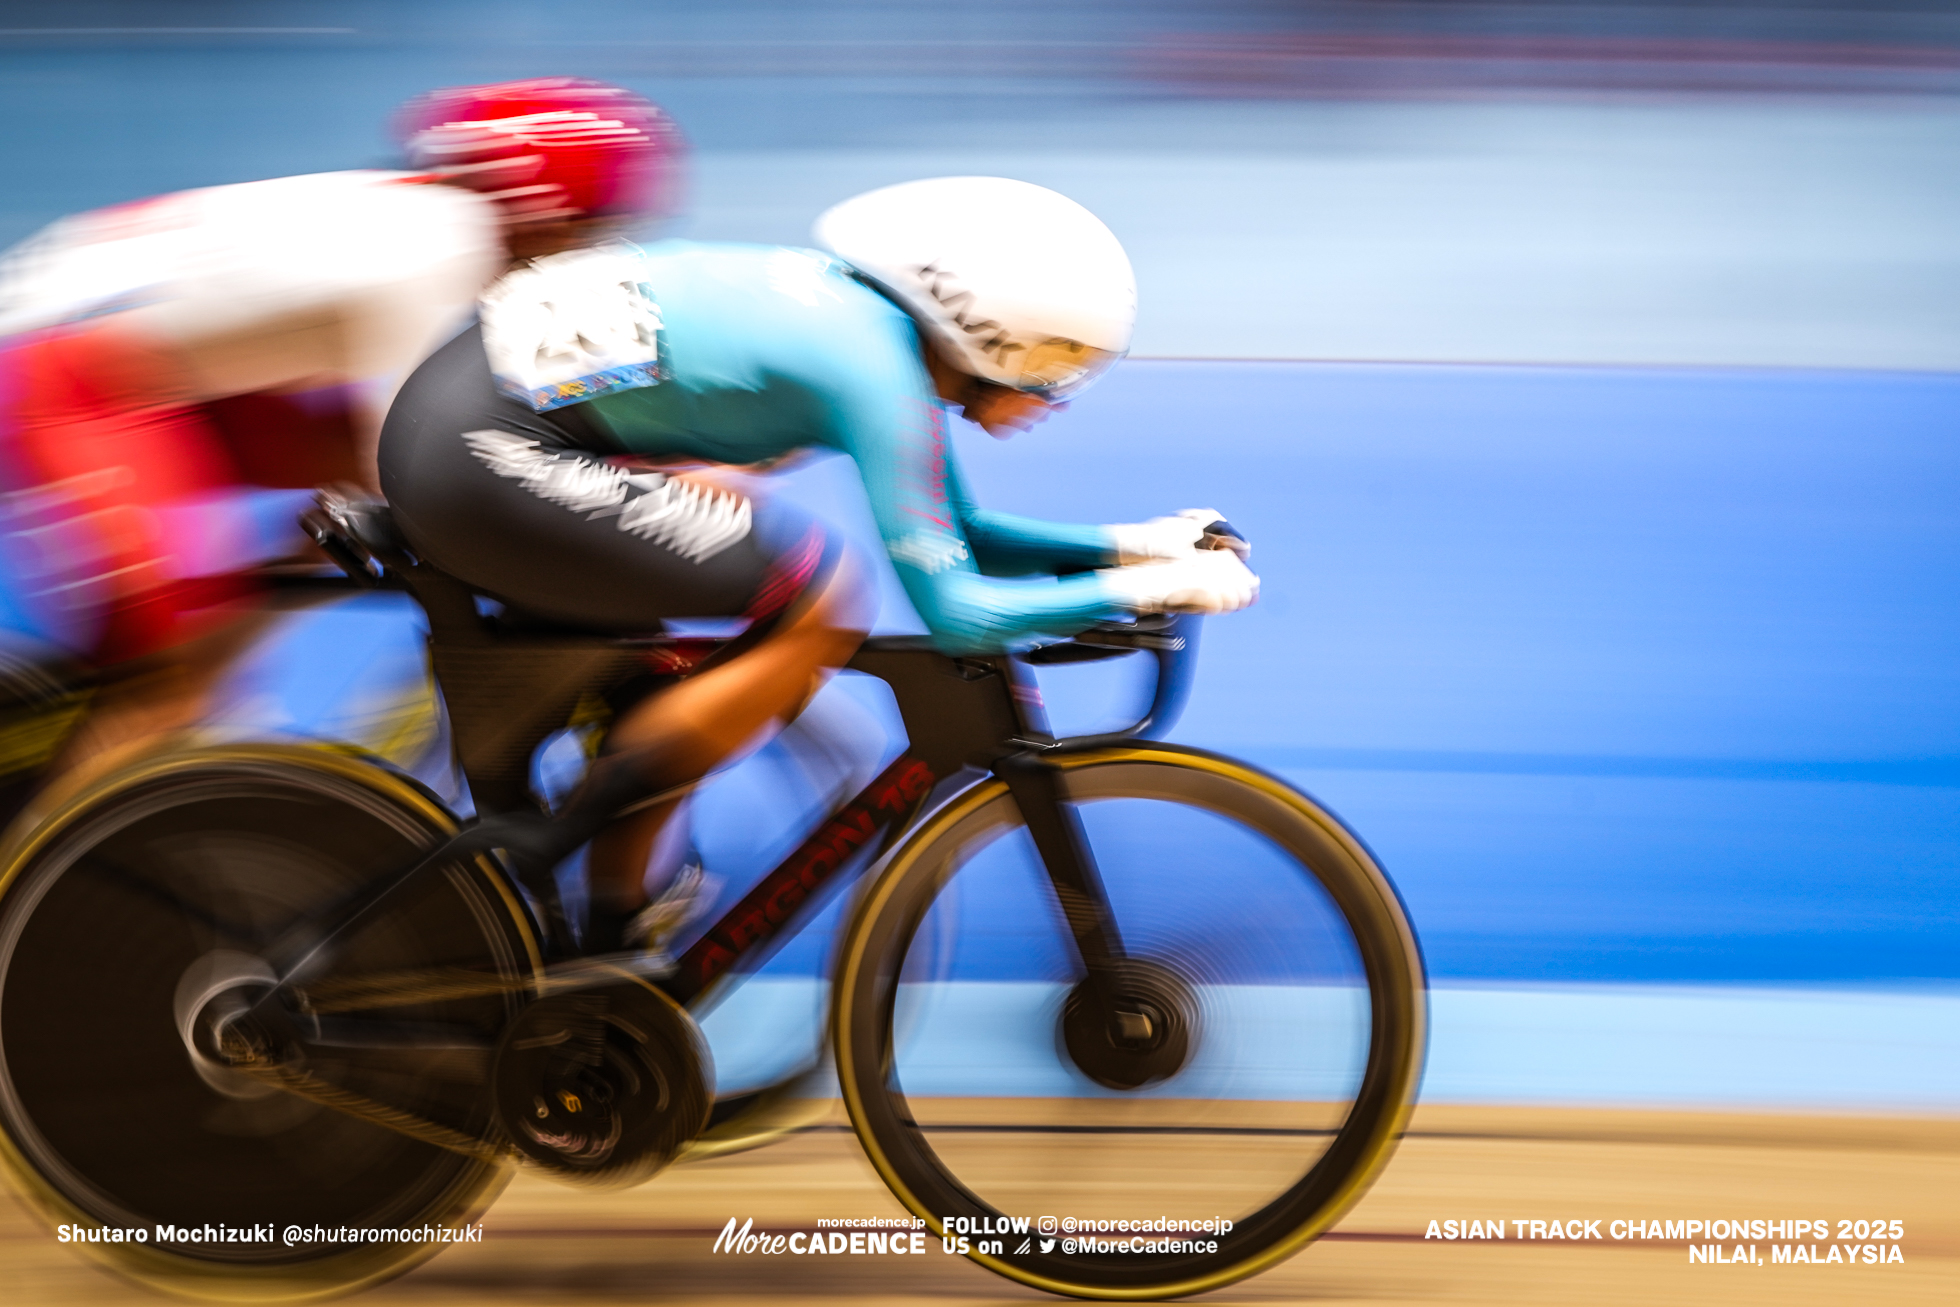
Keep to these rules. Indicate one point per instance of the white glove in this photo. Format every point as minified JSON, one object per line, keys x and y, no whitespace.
{"x":1171,"y":537}
{"x":1204,"y":581}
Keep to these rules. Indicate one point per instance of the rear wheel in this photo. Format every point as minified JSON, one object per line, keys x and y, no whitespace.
{"x":139,"y":914}
{"x":1272,"y":1040}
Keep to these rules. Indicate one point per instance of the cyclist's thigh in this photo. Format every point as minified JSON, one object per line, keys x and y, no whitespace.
{"x":524,"y":507}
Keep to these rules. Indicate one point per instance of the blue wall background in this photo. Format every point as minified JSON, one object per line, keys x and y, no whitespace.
{"x":1625,"y":674}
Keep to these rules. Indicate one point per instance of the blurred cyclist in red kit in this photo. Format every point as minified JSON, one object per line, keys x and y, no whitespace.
{"x":177,"y":372}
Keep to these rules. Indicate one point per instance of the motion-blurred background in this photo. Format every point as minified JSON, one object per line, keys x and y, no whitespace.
{"x":1585,"y":373}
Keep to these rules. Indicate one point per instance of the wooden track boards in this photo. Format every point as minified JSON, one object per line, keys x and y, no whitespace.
{"x":548,"y":1245}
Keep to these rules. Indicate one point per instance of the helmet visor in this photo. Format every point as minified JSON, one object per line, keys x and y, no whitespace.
{"x":1058,"y":368}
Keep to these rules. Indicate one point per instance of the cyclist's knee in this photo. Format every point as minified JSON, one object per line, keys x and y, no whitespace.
{"x":818,"y":592}
{"x":845,"y":602}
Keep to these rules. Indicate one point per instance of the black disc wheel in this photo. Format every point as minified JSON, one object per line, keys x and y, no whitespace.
{"x":141,"y":918}
{"x":1206,"y":1108}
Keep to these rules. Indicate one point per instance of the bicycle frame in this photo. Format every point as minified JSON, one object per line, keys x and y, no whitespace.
{"x":958,"y":712}
{"x":508,"y":689}
{"x":872,"y":819}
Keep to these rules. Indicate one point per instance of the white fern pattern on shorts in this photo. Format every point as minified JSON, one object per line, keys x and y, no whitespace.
{"x":580,"y":486}
{"x":694,"y":521}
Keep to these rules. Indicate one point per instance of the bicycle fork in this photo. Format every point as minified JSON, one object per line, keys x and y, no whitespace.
{"x":1059,"y":840}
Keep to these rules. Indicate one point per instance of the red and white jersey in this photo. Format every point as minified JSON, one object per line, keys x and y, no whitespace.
{"x":291,"y":283}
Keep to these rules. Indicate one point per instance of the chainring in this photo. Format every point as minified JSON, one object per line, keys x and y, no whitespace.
{"x":602,"y":1086}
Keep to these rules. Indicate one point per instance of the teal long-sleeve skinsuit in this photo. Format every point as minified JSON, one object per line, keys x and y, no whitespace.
{"x":768,"y":350}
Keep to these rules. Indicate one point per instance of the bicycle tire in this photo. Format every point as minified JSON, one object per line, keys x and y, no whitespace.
{"x":888,"y":1123}
{"x":222,"y":845}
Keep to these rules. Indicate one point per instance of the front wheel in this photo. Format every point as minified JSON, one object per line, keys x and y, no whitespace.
{"x":1288,"y":1007}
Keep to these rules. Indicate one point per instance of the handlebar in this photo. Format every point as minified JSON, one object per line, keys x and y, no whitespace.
{"x":1171,"y":639}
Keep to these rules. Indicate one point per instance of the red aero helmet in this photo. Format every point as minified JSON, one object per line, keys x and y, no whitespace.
{"x":548,"y":148}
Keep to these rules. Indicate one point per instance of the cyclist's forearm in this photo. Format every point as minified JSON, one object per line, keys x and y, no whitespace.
{"x":1007,"y":545}
{"x":971,"y":614}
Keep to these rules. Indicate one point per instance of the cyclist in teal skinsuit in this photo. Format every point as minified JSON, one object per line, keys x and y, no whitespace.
{"x":775,"y":350}
{"x":503,"y":460}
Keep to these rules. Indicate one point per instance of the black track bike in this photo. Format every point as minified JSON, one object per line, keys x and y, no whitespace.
{"x":1117,"y":1018}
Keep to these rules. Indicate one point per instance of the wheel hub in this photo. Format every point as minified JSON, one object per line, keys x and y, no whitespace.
{"x":1148,"y":1036}
{"x":213,"y":994}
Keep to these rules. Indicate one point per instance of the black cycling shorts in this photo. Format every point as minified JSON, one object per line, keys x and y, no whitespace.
{"x":527,"y":508}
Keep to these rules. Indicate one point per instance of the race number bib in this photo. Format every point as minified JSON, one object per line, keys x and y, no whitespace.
{"x":572,"y":327}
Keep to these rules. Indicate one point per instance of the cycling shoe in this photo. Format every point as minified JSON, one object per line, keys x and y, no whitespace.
{"x":649,"y":930}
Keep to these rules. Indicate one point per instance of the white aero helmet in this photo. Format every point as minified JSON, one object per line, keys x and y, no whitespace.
{"x":1020,"y":285}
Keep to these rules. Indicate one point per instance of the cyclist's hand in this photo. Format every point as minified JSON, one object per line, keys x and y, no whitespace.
{"x":1212,"y":581}
{"x":1163,"y":539}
